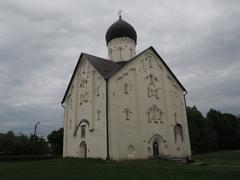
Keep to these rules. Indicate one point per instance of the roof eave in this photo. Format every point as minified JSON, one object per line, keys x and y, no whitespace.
{"x":69,"y":84}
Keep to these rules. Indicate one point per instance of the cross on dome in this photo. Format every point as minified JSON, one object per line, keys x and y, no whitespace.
{"x":120,"y":13}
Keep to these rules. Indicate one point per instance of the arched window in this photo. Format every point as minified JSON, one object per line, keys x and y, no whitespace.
{"x":83,"y":150}
{"x":97,"y":90}
{"x":178,"y":132}
{"x":127,"y":113}
{"x":70,"y":124}
{"x":70,"y":102}
{"x":83,"y":132}
{"x":125,"y":88}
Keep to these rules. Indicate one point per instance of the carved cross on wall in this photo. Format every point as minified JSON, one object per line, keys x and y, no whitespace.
{"x":154,"y":114}
{"x":152,"y":79}
{"x":83,"y":98}
{"x":82,"y":82}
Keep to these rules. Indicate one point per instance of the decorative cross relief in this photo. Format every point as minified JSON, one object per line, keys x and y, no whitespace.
{"x":83,"y":98}
{"x":147,"y":62}
{"x":153,"y":92}
{"x":83,"y":82}
{"x":127,"y":113}
{"x":143,"y":67}
{"x":154,"y":114}
{"x":152,"y":79}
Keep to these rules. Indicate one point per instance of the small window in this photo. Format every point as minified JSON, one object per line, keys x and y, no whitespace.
{"x":98,"y":114}
{"x":151,"y":79}
{"x":70,"y":124}
{"x":83,"y":133}
{"x":150,"y":63}
{"x":81,"y":99}
{"x":125,"y":88}
{"x":149,"y":92}
{"x":86,"y":97}
{"x":127,"y":113}
{"x":97,"y":90}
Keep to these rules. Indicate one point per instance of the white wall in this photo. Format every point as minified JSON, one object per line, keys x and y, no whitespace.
{"x":121,"y":49}
{"x":86,"y":100}
{"x":143,"y":85}
{"x":134,"y":137}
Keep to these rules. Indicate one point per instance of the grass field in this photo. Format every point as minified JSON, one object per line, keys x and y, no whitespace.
{"x":218,"y":165}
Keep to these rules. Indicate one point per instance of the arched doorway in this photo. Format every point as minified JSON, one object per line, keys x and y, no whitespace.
{"x":83,"y":150}
{"x":155,"y":149}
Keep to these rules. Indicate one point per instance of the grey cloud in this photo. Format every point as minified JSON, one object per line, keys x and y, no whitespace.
{"x":40,"y":42}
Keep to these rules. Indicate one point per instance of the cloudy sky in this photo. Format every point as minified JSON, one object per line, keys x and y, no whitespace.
{"x":40,"y":42}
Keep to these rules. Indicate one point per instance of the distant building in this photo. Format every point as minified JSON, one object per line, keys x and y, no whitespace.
{"x":125,"y":107}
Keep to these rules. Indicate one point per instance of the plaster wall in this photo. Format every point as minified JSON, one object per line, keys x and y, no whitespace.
{"x":86,"y":106}
{"x":121,"y":49}
{"x":150,"y":89}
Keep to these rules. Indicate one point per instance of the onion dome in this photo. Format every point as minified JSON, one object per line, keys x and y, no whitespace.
{"x":121,"y":29}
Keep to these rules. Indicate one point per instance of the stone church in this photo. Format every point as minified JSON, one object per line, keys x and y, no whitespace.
{"x":127,"y":106}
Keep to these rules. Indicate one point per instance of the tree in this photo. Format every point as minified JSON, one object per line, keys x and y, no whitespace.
{"x":227,"y":126}
{"x":202,"y":136}
{"x":11,"y":144}
{"x":55,"y":138}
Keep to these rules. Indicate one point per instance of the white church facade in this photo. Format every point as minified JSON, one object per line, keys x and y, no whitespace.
{"x":125,"y":107}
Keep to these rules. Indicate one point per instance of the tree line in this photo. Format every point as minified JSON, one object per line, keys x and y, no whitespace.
{"x":216,"y":131}
{"x":12,"y":144}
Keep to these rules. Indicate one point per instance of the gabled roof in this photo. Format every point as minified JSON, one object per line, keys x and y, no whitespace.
{"x":107,"y":67}
{"x":103,"y":66}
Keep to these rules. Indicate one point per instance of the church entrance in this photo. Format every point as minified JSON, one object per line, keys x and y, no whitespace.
{"x":155,"y":149}
{"x":83,"y":150}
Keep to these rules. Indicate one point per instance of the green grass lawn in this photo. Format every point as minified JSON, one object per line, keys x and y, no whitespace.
{"x":217,"y":165}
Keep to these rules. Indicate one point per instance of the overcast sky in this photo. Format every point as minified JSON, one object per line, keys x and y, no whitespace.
{"x":40,"y":42}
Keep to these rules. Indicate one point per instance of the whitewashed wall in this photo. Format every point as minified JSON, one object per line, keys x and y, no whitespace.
{"x":149,"y":85}
{"x":86,"y":105}
{"x":121,"y":49}
{"x":143,"y":86}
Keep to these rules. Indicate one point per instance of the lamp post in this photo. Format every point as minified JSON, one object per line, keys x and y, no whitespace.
{"x":34,"y":136}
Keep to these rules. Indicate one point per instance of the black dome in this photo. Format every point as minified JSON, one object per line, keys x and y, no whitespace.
{"x":120,"y":29}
